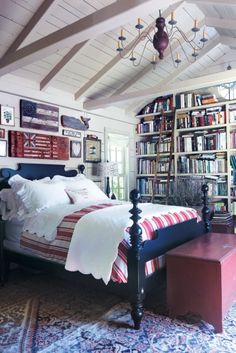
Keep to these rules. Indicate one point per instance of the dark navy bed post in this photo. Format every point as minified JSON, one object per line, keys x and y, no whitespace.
{"x":81,"y":168}
{"x":205,"y":210}
{"x":136,"y":264}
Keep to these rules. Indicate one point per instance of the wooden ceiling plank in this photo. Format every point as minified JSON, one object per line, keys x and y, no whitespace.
{"x":60,"y":66}
{"x":31,"y":25}
{"x":230,"y":41}
{"x":224,"y":23}
{"x":160,"y":89}
{"x":86,"y":28}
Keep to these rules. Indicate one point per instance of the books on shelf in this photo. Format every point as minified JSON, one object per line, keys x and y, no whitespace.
{"x":159,"y":104}
{"x":202,"y":141}
{"x":222,"y":217}
{"x":194,"y":164}
{"x":189,"y":99}
{"x":202,"y":117}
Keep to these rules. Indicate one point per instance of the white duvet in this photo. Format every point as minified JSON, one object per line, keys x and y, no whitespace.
{"x":94,"y":244}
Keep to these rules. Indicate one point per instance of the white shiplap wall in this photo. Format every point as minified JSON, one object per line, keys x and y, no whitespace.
{"x":112,"y":119}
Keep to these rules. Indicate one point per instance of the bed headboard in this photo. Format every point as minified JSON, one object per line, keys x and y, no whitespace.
{"x":36,"y":171}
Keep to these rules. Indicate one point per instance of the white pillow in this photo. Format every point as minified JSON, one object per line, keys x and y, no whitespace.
{"x":85,"y":190}
{"x":65,"y":179}
{"x":17,"y":182}
{"x":37,"y":196}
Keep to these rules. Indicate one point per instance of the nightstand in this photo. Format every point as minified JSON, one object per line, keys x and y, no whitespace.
{"x":2,"y":262}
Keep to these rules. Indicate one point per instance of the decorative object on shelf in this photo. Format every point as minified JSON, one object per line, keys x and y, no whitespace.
{"x":3,"y":148}
{"x":7,"y":116}
{"x":71,"y":133}
{"x":31,"y":145}
{"x":2,"y":133}
{"x":107,"y":170}
{"x":80,"y":123}
{"x":163,"y":37}
{"x":75,"y":149}
{"x":92,"y":149}
{"x":39,"y":116}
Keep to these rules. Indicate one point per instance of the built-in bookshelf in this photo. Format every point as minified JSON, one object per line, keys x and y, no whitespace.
{"x":204,"y":145}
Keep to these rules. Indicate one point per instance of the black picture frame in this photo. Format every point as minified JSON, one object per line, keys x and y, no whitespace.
{"x":92,"y":150}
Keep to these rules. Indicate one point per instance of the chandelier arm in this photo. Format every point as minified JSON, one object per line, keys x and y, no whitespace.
{"x":185,"y":54}
{"x":191,"y":41}
{"x":141,"y":56}
{"x":172,"y":57}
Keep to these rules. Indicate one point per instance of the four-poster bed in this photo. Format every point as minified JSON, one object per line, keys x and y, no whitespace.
{"x":139,"y":251}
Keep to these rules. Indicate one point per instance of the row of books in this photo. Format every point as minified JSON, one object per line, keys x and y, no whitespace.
{"x":154,"y":124}
{"x":192,"y":164}
{"x":219,"y":206}
{"x":145,"y":186}
{"x":148,"y":166}
{"x":159,"y":104}
{"x":202,"y":141}
{"x":150,"y":147}
{"x":222,"y":217}
{"x":217,"y":187}
{"x":233,"y":162}
{"x":198,"y":118}
{"x":188,"y":100}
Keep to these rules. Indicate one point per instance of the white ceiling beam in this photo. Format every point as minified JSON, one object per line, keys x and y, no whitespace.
{"x":118,"y":57}
{"x":230,"y":41}
{"x":213,"y":2}
{"x":39,"y":16}
{"x":148,"y":68}
{"x":86,"y":28}
{"x":188,"y":85}
{"x":61,"y":65}
{"x":185,"y":86}
{"x":224,"y":23}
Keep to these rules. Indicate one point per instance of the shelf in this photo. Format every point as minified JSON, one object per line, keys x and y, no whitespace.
{"x":154,"y":133}
{"x":201,"y":152}
{"x":153,"y":175}
{"x":155,"y":195}
{"x":201,"y":174}
{"x":201,"y":107}
{"x":162,"y":154}
{"x":207,"y":127}
{"x":154,"y":114}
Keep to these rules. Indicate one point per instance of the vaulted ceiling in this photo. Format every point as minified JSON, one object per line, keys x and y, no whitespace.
{"x":71,"y":45}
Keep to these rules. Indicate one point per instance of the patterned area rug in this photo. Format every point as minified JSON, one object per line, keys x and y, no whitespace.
{"x":42,"y":314}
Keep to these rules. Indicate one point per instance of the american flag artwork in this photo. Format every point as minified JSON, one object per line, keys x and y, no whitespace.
{"x":33,"y":145}
{"x":39,"y":116}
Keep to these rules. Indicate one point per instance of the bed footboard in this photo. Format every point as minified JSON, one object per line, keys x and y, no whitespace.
{"x":140,"y":252}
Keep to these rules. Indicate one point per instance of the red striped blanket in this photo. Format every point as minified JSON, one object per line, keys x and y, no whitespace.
{"x":58,"y":248}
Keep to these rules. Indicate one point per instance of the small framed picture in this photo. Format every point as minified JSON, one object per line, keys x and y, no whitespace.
{"x":3,"y":148}
{"x":92,"y":150}
{"x":75,"y":149}
{"x":7,"y":116}
{"x":2,"y":133}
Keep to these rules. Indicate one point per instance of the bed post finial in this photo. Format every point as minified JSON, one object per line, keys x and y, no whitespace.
{"x":205,"y":209}
{"x":81,"y":168}
{"x":136,"y":276}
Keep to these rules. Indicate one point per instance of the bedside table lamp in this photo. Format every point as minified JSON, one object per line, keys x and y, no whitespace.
{"x":107,"y":170}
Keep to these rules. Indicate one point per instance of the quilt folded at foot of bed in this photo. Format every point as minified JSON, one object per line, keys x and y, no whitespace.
{"x":57,"y":250}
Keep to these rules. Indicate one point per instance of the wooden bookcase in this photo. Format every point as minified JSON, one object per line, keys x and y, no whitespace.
{"x":204,"y":146}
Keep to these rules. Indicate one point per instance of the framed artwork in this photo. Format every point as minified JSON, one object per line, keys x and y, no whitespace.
{"x":92,"y":150}
{"x":2,"y":133}
{"x":75,"y":149}
{"x":3,"y":148}
{"x":7,"y":116}
{"x":39,"y":116}
{"x":71,"y":133}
